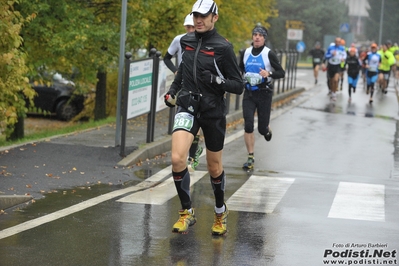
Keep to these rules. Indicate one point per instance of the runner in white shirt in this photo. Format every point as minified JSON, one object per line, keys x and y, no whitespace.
{"x":175,"y":48}
{"x":334,"y":56}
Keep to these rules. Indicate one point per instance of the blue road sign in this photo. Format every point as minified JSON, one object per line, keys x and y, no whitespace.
{"x":300,"y":47}
{"x":344,"y":27}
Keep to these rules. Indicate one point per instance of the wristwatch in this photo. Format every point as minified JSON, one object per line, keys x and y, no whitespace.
{"x":270,"y":74}
{"x":218,"y":80}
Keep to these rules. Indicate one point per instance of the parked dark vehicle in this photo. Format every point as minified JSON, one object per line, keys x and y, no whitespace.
{"x":58,"y":97}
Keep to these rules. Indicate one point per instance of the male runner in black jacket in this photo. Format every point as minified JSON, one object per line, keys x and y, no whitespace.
{"x":209,"y":69}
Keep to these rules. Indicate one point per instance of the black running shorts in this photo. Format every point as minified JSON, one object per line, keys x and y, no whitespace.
{"x":332,"y":70}
{"x":213,"y":129}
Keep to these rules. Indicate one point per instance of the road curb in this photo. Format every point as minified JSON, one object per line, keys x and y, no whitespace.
{"x":7,"y":201}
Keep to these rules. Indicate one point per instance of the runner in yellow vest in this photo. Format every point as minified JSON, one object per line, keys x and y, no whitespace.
{"x":384,"y":69}
{"x":341,"y":74}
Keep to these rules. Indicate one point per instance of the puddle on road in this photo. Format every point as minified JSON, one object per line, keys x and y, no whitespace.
{"x":55,"y":200}
{"x":146,"y":172}
{"x":58,"y":199}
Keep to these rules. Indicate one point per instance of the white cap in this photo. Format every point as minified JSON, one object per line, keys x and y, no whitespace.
{"x":188,"y":21}
{"x":205,"y":7}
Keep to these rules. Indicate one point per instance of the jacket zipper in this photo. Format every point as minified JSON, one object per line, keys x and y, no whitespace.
{"x":195,"y":70}
{"x":195,"y":63}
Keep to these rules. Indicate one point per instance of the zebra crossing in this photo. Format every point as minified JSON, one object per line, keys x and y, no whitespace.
{"x":259,"y":194}
{"x":359,"y":201}
{"x":263,"y":194}
{"x":158,"y":195}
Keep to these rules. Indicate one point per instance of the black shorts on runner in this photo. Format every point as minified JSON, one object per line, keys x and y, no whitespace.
{"x":332,"y":70}
{"x":213,"y":129}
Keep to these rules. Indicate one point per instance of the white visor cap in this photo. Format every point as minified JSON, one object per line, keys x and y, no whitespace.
{"x":188,"y":21}
{"x":205,"y":7}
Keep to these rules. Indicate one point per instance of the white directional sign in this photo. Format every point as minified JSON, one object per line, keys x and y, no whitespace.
{"x":140,"y":82}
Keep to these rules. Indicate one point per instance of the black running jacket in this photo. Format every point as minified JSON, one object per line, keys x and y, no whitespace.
{"x":208,"y":51}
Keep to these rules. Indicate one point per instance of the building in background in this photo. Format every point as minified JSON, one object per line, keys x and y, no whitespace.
{"x":358,"y":12}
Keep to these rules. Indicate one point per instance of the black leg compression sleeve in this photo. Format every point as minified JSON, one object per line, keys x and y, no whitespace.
{"x":218,"y":185}
{"x":182,"y":183}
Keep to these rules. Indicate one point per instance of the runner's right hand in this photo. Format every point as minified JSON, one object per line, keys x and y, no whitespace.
{"x":170,"y":99}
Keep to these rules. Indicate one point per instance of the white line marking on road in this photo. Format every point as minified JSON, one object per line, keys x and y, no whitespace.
{"x":161,"y":193}
{"x":359,"y":201}
{"x":64,"y":212}
{"x":84,"y":205}
{"x":259,"y":194}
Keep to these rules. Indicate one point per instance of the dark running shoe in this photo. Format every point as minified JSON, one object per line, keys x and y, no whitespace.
{"x":269,"y":135}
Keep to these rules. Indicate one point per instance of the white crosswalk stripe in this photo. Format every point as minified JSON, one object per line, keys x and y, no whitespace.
{"x":160,"y":194}
{"x":259,"y":194}
{"x":359,"y":201}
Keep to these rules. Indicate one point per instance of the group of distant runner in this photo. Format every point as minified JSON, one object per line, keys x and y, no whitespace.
{"x":374,"y":65}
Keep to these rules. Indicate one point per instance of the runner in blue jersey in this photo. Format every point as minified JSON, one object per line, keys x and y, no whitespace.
{"x":335,"y":55}
{"x":372,"y":62}
{"x":260,"y":66}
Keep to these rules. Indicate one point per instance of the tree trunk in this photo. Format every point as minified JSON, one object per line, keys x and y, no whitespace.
{"x":101,"y":100}
{"x":18,"y":132}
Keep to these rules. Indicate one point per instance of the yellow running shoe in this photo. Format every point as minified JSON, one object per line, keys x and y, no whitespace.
{"x":219,"y":226}
{"x":186,"y":219}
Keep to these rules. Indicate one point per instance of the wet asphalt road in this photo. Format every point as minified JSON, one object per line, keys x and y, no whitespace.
{"x":325,"y":188}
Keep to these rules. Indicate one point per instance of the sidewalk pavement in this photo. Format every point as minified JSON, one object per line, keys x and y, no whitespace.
{"x":96,"y":147}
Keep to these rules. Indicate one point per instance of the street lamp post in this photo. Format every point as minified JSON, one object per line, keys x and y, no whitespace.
{"x":381,"y":21}
{"x":120,"y":73}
